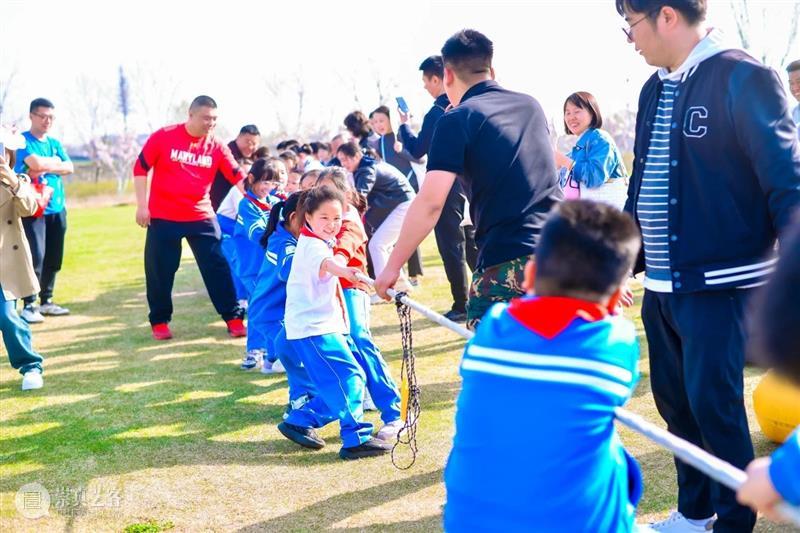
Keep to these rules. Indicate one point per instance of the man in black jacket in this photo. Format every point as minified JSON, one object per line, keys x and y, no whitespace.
{"x":715,"y":178}
{"x":456,"y":243}
{"x":242,"y":147}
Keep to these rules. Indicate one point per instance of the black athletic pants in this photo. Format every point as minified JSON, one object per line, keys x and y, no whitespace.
{"x":456,"y":244}
{"x":162,"y":256}
{"x":696,"y":343}
{"x":46,"y":238}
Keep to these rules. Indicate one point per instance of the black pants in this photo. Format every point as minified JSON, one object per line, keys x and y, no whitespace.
{"x":162,"y":256}
{"x":46,"y":238}
{"x":456,"y":244}
{"x":696,"y":371}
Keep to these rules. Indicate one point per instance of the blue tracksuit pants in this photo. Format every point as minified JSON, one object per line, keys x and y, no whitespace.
{"x":380,"y":384}
{"x":339,"y":380}
{"x":299,"y":381}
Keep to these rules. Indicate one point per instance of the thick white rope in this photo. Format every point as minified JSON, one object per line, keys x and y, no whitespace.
{"x":714,"y":467}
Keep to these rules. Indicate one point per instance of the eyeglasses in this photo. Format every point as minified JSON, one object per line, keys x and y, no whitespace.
{"x":629,"y":30}
{"x":45,"y":117}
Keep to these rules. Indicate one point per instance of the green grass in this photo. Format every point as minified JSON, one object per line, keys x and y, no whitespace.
{"x":129,"y":433}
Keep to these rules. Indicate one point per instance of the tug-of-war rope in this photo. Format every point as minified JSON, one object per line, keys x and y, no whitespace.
{"x":714,"y":467}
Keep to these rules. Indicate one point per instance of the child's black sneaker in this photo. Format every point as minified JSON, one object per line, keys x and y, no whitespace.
{"x":305,"y":437}
{"x":371,"y":448}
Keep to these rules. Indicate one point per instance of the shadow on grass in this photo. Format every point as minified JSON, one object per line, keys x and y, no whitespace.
{"x":324,"y":514}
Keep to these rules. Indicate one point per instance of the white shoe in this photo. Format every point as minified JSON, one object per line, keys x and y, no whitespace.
{"x":52,"y":309}
{"x":32,"y":379}
{"x":677,"y":523}
{"x":31,"y":315}
{"x":388,"y":433}
{"x":243,"y":304}
{"x":275,"y":367}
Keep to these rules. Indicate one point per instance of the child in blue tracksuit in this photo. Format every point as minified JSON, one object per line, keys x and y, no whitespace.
{"x":316,"y":324}
{"x":226,"y":217}
{"x":352,"y":247}
{"x":568,"y":363}
{"x":251,"y":220}
{"x":268,"y":300}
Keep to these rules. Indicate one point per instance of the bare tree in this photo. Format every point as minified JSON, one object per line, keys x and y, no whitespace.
{"x":153,"y":93}
{"x":752,"y":22}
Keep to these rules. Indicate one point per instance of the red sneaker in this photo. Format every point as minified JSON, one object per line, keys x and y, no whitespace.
{"x":161,"y":331}
{"x":236,"y":328}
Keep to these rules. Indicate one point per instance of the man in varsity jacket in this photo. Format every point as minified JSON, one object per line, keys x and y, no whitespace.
{"x":715,"y":181}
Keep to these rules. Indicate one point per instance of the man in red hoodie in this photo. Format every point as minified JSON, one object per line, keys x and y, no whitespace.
{"x":182,"y":161}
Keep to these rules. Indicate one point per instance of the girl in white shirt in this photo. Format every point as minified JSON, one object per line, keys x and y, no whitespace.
{"x":316,"y":324}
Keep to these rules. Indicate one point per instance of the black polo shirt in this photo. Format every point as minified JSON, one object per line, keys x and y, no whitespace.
{"x":220,"y":186}
{"x":497,"y":142}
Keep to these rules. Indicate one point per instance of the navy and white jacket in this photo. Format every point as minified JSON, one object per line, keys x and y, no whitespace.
{"x":734,"y":168}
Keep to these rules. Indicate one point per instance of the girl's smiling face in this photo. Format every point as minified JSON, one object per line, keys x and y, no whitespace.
{"x":261,"y":188}
{"x":577,"y":119}
{"x":326,"y":221}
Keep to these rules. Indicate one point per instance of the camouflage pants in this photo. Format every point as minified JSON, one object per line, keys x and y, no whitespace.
{"x":497,"y":283}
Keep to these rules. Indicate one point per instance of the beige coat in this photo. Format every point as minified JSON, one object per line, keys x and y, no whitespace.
{"x":16,"y":267}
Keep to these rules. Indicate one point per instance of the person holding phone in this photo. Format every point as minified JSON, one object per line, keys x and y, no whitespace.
{"x":454,"y":240}
{"x":17,"y":278}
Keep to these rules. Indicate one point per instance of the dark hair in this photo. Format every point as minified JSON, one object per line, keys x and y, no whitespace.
{"x":250,"y":129}
{"x":319,"y":195}
{"x":432,"y":66}
{"x":286,"y":145}
{"x":382,"y":109}
{"x":584,"y":100}
{"x":358,"y":124}
{"x":281,"y":212}
{"x":694,"y":11}
{"x":794,"y":66}
{"x":41,"y":102}
{"x":266,"y":169}
{"x":319,"y":145}
{"x":202,"y":101}
{"x":350,"y":149}
{"x":468,"y":53}
{"x":338,"y":177}
{"x":303,"y":149}
{"x":261,"y":151}
{"x":585,"y":250}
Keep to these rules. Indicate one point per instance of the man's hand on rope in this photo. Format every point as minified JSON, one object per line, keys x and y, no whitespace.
{"x":386,"y":280}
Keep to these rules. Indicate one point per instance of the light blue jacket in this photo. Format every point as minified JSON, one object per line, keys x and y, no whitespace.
{"x":597,"y":159}
{"x":785,"y":469}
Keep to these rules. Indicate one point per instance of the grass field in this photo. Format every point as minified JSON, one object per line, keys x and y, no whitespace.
{"x":129,"y":433}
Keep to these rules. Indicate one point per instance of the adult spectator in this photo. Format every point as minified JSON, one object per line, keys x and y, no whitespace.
{"x":594,"y":169}
{"x":243,"y":146}
{"x":45,"y":161}
{"x":388,"y":194}
{"x":360,"y":128}
{"x":17,"y":278}
{"x":454,"y":240}
{"x":337,"y":140}
{"x":709,"y":224}
{"x":184,"y":159}
{"x":497,"y":141}
{"x":391,"y":151}
{"x":794,"y":87}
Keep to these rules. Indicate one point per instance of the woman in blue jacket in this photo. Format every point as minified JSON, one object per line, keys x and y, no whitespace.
{"x":593,"y":169}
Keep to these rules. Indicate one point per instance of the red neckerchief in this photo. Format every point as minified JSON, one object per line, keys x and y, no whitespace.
{"x":339,"y":294}
{"x":548,"y":316}
{"x":264,"y":206}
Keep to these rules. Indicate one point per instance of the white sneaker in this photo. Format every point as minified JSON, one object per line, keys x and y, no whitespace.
{"x":31,"y":315}
{"x":388,"y":433}
{"x":677,"y":523}
{"x":243,"y":304}
{"x":52,"y":309}
{"x":32,"y":379}
{"x":275,"y":367}
{"x":251,"y":359}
